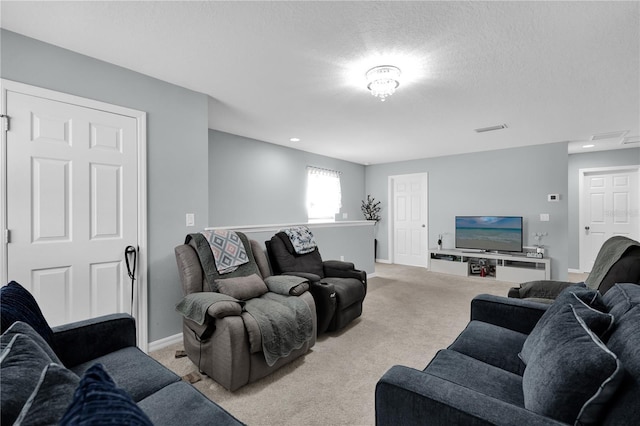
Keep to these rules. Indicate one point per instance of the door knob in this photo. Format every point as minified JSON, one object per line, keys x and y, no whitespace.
{"x":423,"y":225}
{"x":586,"y":228}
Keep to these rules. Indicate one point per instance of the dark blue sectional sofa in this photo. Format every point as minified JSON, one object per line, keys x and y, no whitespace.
{"x":582,"y":366}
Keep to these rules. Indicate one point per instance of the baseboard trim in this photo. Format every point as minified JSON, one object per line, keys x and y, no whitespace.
{"x":383,"y":261}
{"x":575,"y":271}
{"x":163,"y":343}
{"x":373,"y":274}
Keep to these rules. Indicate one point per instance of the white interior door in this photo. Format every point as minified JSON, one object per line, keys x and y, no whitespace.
{"x":410,"y":219}
{"x":609,"y":206}
{"x":72,"y":205}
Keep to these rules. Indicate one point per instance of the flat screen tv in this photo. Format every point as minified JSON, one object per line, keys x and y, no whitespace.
{"x":489,"y":233}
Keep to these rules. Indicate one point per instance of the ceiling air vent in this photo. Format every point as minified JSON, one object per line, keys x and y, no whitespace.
{"x":491,"y":128}
{"x":610,"y":135}
{"x":630,"y":139}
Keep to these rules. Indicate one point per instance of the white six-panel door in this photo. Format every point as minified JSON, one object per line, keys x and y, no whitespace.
{"x":72,"y":205}
{"x":609,"y":206}
{"x":410,"y":219}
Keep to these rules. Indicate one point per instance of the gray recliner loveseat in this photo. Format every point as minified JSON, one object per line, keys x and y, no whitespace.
{"x":227,"y":344}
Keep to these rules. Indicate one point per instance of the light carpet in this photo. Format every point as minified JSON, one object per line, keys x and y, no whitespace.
{"x":409,"y":314}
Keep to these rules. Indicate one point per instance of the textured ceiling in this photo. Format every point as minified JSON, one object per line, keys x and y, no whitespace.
{"x":552,"y":71}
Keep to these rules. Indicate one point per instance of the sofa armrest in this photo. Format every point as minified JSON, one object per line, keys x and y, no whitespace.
{"x":514,"y":314}
{"x":405,"y":396}
{"x":83,"y":341}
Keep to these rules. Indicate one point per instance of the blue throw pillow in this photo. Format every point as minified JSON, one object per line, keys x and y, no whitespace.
{"x":17,"y":304}
{"x":583,"y":300}
{"x":571,"y":375}
{"x":97,"y":401}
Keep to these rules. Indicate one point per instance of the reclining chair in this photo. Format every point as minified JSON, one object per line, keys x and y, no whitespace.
{"x":337,"y":287}
{"x":224,"y":340}
{"x":618,"y":261}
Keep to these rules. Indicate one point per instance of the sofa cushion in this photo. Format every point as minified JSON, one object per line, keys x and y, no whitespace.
{"x":97,"y":399}
{"x":242,"y":288}
{"x":51,"y":397}
{"x":570,"y":374}
{"x":494,"y":345}
{"x":621,"y":298}
{"x":624,"y":341}
{"x":21,"y":363}
{"x":179,"y":402}
{"x":596,"y":320}
{"x":134,"y":371}
{"x":478,"y":376}
{"x":17,"y":304}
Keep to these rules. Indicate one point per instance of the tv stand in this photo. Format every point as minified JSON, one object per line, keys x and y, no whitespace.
{"x":500,"y":266}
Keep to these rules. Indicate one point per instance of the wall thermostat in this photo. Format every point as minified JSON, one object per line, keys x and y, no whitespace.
{"x":553,"y":197}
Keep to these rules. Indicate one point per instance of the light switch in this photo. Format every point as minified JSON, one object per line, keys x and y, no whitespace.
{"x":544,"y":217}
{"x":191,"y":219}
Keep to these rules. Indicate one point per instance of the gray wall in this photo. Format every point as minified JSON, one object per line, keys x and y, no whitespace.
{"x":254,"y":183}
{"x":177,"y":144}
{"x":618,"y":157}
{"x":512,"y":181}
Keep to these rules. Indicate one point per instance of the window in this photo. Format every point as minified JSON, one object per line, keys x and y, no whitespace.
{"x":324,"y":196}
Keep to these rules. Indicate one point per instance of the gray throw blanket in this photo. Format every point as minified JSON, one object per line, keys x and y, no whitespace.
{"x":285,"y":324}
{"x":610,"y":252}
{"x":227,"y":248}
{"x":195,"y":305}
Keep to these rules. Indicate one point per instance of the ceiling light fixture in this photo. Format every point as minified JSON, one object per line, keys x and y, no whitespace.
{"x":588,"y":145}
{"x":294,"y":140}
{"x":383,"y":81}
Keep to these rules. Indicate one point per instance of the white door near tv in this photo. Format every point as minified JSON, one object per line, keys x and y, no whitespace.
{"x":72,"y":203}
{"x":609,"y":205}
{"x":409,"y":218}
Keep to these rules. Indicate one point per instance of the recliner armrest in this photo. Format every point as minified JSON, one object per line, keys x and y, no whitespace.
{"x":339,"y":269}
{"x":543,"y":289}
{"x":514,"y":314}
{"x":82,"y":341}
{"x":411,"y":397}
{"x":339,"y":264}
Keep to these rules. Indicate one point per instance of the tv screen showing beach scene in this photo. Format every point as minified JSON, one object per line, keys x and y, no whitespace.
{"x":489,"y":233}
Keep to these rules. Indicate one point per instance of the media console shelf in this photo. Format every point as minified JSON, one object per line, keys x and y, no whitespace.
{"x":503,"y":267}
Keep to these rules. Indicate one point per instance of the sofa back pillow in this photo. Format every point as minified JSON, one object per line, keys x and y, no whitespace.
{"x":17,"y":304}
{"x":599,"y":322}
{"x":21,"y":363}
{"x":51,"y":397}
{"x":571,"y":375}
{"x":621,"y":298}
{"x":624,"y":341}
